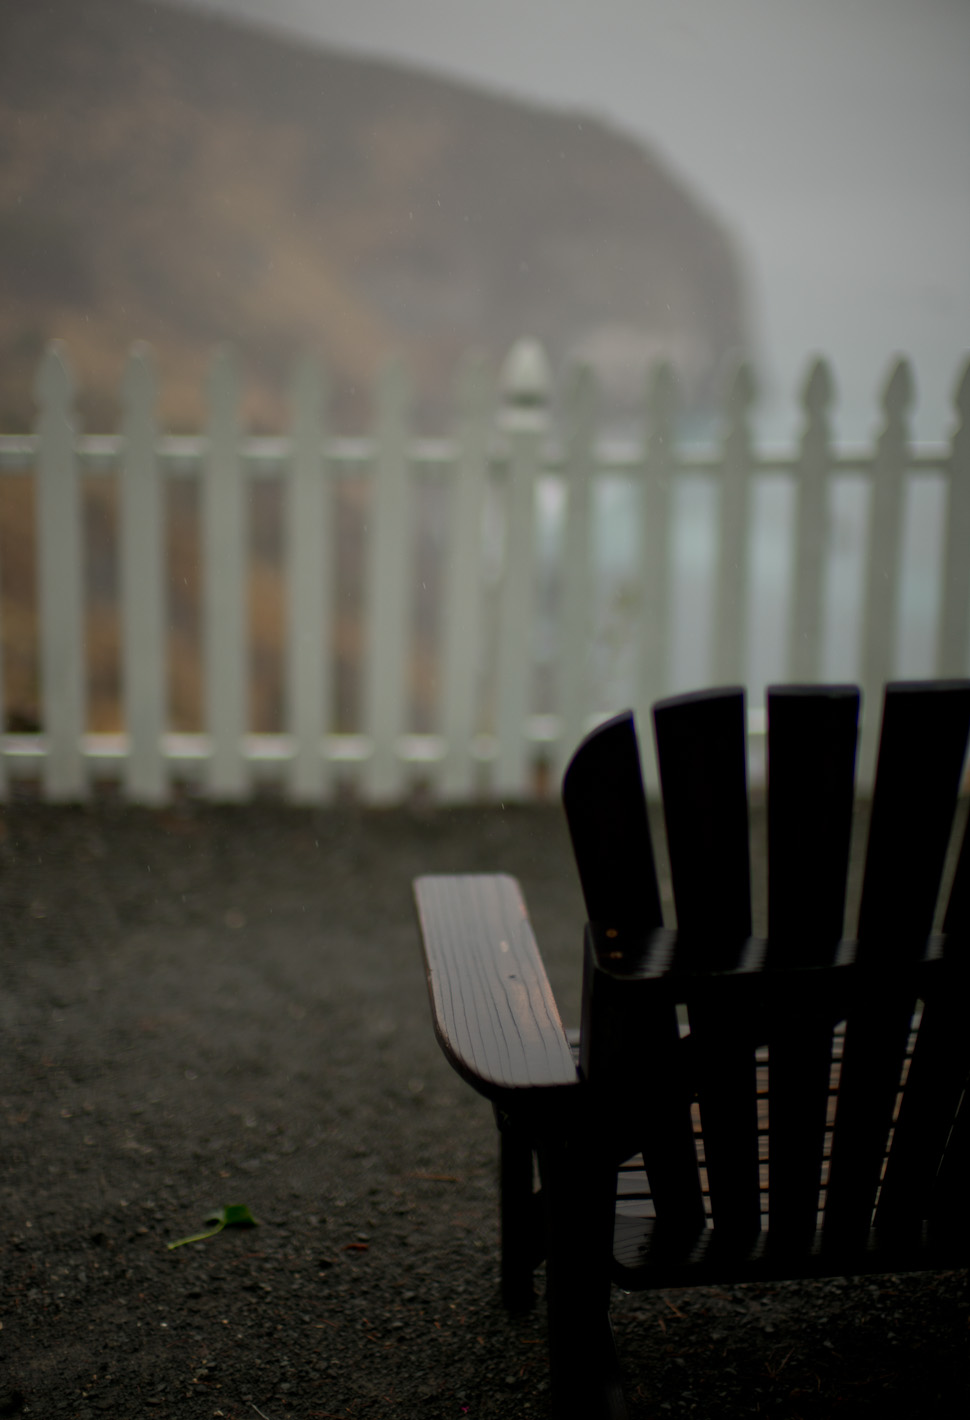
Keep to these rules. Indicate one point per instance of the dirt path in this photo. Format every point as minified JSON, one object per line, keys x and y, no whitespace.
{"x":202,"y":1007}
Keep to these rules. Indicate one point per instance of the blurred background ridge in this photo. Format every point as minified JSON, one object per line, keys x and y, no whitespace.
{"x":170,"y":176}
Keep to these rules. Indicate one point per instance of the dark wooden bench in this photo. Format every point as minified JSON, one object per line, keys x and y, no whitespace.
{"x":736,"y":1108}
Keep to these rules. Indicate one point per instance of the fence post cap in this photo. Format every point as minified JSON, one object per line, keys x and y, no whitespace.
{"x":54,"y":381}
{"x":526,"y":384}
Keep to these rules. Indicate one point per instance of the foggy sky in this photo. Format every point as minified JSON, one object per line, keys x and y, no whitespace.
{"x":830,"y":135}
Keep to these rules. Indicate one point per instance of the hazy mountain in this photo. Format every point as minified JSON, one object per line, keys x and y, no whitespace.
{"x":178,"y":178}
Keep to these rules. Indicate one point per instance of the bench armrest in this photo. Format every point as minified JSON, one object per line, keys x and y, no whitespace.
{"x":494,"y":1012}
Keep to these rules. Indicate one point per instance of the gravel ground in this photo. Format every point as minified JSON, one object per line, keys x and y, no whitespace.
{"x":203,"y":1007}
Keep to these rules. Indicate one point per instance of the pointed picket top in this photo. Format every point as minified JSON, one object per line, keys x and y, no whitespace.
{"x":139,"y":386}
{"x":474,"y":387}
{"x":54,"y":383}
{"x":953,"y":636}
{"x":741,"y":394}
{"x":811,"y":523}
{"x":389,"y":583}
{"x":525,"y":384}
{"x":818,"y":391}
{"x":882,"y":586}
{"x":308,"y":392}
{"x":581,"y":399}
{"x":392,"y":408}
{"x":60,"y":581}
{"x":462,"y":627}
{"x":899,"y":394}
{"x":392,"y":393}
{"x":139,"y":394}
{"x":961,"y":403}
{"x":308,"y":540}
{"x":663,"y":406}
{"x":740,"y":397}
{"x":224,"y":520}
{"x":734,"y":531}
{"x":580,"y":384}
{"x":817,"y":398}
{"x":575,"y":638}
{"x":308,"y":398}
{"x":222,"y":387}
{"x":142,"y":582}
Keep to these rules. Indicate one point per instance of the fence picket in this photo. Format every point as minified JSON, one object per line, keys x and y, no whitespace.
{"x":4,"y":785}
{"x":462,"y":602}
{"x":575,"y":630}
{"x":142,"y":585}
{"x":224,"y":512}
{"x":729,"y":629}
{"x":880,"y":608}
{"x":60,"y":581}
{"x":389,"y":590}
{"x":653,"y":621}
{"x":811,"y":525}
{"x":490,"y":667}
{"x":525,"y":385}
{"x":953,"y":643}
{"x":309,"y":571}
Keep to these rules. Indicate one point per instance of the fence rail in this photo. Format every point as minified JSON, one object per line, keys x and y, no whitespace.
{"x":572,"y":575}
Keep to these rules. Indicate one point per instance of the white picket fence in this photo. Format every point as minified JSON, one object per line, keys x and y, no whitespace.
{"x":554,"y":610}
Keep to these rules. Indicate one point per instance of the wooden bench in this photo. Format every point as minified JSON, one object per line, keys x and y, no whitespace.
{"x":735,"y":1108}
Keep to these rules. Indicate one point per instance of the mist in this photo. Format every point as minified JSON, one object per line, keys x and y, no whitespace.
{"x":830,"y":138}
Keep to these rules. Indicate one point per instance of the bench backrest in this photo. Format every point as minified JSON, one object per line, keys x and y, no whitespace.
{"x":827,"y":1068}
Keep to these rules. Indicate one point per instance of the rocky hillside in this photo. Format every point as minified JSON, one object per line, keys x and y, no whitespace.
{"x":173,"y":177}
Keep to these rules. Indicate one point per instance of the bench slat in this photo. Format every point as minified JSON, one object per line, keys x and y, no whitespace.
{"x":921,"y":753}
{"x":812,"y":734}
{"x":939,"y":1074}
{"x":606,"y":811}
{"x":607,"y":815}
{"x":640,"y":1072}
{"x":937,"y":1078}
{"x":727,"y":1096}
{"x":701,"y":755}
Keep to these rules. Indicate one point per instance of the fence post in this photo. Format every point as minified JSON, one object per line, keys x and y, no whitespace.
{"x":880,"y":608}
{"x":811,"y":525}
{"x":654,"y":580}
{"x":61,"y":586}
{"x":224,"y":542}
{"x":729,"y":628}
{"x":954,"y":628}
{"x":575,"y":628}
{"x":462,"y":605}
{"x":142,"y":584}
{"x":389,"y":605}
{"x":309,"y":551}
{"x":525,"y":387}
{"x":3,"y":726}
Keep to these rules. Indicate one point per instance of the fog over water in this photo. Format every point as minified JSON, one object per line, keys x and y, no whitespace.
{"x":831,"y":137}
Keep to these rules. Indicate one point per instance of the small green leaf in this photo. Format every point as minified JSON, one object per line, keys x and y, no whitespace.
{"x":196,"y":1237}
{"x":234,"y":1215}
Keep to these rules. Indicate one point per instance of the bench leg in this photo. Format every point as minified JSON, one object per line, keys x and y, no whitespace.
{"x":579,"y":1199}
{"x":519,"y":1219}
